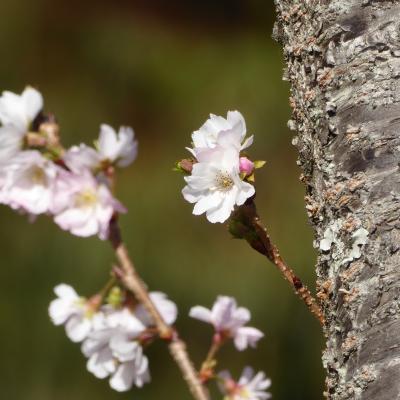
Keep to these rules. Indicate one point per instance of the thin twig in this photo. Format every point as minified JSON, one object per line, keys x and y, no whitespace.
{"x":246,"y":224}
{"x":300,"y":289}
{"x":177,"y":347}
{"x":208,"y":365}
{"x":215,"y":346}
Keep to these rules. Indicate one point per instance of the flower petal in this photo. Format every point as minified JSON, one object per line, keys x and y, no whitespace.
{"x":201,"y":313}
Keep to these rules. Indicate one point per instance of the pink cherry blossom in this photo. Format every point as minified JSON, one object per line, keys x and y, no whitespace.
{"x":82,"y":157}
{"x":83,"y":206}
{"x":228,"y":320}
{"x":28,"y":182}
{"x":249,"y":386}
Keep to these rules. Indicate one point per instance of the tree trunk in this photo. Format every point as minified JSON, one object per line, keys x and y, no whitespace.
{"x":343,"y":63}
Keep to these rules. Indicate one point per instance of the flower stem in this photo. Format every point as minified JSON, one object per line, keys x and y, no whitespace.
{"x":208,"y":365}
{"x":134,"y":283}
{"x":111,"y":282}
{"x":246,"y":224}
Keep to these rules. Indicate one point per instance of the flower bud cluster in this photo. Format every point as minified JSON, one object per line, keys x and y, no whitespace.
{"x":112,"y":336}
{"x":220,"y":176}
{"x":37,"y":176}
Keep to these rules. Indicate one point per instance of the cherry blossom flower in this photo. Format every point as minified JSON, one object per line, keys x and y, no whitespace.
{"x":112,"y":148}
{"x":249,"y":386}
{"x":28,"y":183}
{"x":83,"y":206}
{"x":228,"y":320}
{"x":120,"y":148}
{"x":73,"y":311}
{"x":220,"y":131}
{"x":132,"y":372}
{"x":215,"y":184}
{"x":20,"y":110}
{"x":166,"y":308}
{"x":113,"y":349}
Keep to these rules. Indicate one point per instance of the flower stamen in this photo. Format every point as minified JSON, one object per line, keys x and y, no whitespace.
{"x":38,"y":176}
{"x":223,"y":181}
{"x":86,"y":198}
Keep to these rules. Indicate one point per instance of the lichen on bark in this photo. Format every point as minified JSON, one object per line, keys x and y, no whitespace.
{"x":343,"y":63}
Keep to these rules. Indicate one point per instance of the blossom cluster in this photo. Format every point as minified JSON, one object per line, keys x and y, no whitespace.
{"x":221,"y":175}
{"x":229,"y":322}
{"x":37,"y":176}
{"x":75,"y":187}
{"x":112,"y":334}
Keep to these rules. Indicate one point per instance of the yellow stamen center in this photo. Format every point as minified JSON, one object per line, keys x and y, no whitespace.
{"x":38,"y":176}
{"x":223,"y":181}
{"x":86,"y":198}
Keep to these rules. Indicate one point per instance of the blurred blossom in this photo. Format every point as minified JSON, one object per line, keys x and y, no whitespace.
{"x":228,"y":320}
{"x":112,"y":345}
{"x":166,"y":308}
{"x":11,"y":142}
{"x":29,"y":181}
{"x":120,"y":148}
{"x":249,"y":386}
{"x":20,"y":110}
{"x":82,"y":157}
{"x":83,"y":206}
{"x":71,"y":310}
{"x":112,"y":337}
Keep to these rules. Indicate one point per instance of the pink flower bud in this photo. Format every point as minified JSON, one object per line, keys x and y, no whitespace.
{"x":246,"y":165}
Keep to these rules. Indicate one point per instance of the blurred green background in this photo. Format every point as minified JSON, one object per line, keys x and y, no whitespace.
{"x":161,"y":67}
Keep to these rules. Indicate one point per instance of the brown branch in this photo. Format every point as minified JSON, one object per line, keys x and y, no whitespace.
{"x":134,"y":283}
{"x":246,"y":224}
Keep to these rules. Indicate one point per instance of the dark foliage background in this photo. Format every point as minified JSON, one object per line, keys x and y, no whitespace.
{"x":160,"y":66}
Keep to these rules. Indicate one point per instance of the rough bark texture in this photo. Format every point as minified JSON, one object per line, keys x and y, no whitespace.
{"x":343,"y":62}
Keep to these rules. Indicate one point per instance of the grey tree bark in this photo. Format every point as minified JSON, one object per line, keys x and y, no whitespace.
{"x":343,"y":63}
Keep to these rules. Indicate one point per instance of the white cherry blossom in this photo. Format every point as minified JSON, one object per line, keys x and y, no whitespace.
{"x":228,"y":320}
{"x":249,"y":386}
{"x":28,"y":183}
{"x":119,"y":148}
{"x":220,"y":131}
{"x":215,"y":184}
{"x":71,"y":310}
{"x":20,"y":110}
{"x":113,"y":350}
{"x":83,"y":206}
{"x":132,"y":372}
